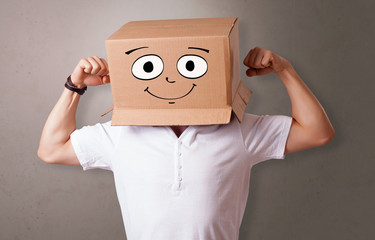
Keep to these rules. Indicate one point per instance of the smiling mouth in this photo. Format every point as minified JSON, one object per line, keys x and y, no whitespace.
{"x":194,"y":85}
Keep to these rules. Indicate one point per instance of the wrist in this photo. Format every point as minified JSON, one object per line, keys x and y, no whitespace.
{"x":286,"y":69}
{"x":76,"y":84}
{"x":72,"y":87}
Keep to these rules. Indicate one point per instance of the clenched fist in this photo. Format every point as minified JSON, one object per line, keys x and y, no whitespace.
{"x":261,"y":61}
{"x":91,"y":71}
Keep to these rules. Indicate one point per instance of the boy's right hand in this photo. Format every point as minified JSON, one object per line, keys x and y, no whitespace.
{"x":91,"y":71}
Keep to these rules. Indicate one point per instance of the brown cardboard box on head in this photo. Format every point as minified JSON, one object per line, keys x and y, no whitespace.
{"x":176,"y":72}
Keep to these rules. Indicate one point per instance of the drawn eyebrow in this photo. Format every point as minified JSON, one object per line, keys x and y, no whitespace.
{"x":202,"y":49}
{"x":135,"y":49}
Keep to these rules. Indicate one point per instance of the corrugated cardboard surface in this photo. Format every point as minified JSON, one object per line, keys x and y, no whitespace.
{"x":170,"y":98}
{"x":174,"y":28}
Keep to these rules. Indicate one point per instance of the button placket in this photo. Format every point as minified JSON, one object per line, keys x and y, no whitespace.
{"x":179,"y":166}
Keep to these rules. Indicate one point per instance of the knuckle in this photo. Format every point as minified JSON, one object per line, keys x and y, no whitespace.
{"x":95,"y":67}
{"x":82,"y":61}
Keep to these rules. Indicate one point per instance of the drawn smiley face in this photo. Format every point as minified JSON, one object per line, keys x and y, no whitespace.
{"x":151,"y":66}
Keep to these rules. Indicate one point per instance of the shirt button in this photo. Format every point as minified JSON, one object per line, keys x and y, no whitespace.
{"x":180,"y":154}
{"x":180,"y":166}
{"x":180,"y":179}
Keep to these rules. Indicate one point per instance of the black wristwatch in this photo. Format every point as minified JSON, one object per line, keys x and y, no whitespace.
{"x":69,"y":85}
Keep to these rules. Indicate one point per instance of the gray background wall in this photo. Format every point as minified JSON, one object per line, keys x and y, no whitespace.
{"x":322,"y":193}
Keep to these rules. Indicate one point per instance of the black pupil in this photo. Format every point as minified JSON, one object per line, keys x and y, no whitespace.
{"x":190,"y":65}
{"x":148,"y":67}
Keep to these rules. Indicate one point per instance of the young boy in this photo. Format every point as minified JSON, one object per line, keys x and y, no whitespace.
{"x":184,"y":182}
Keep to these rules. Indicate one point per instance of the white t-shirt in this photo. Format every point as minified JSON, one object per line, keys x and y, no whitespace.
{"x":194,"y":187}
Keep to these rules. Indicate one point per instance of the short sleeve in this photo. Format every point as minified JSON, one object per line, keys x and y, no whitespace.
{"x":265,"y":136}
{"x":94,"y":145}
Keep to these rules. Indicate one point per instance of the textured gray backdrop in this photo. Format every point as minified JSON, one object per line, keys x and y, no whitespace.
{"x":326,"y":193}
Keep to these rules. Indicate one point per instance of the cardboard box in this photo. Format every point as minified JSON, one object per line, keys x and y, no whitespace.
{"x":176,"y":72}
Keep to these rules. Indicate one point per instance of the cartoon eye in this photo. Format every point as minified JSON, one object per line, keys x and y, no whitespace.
{"x":147,"y":67}
{"x":192,"y":66}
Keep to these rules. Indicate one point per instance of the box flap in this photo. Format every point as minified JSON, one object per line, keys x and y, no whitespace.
{"x":240,"y":101}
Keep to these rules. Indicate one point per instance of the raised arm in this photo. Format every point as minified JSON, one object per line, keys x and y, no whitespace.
{"x":55,"y":145}
{"x":311,"y":126}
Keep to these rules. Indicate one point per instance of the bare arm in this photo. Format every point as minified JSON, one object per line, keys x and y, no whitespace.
{"x":55,"y":145}
{"x":311,"y":126}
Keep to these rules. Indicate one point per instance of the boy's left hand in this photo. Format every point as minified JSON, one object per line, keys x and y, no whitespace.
{"x":262,"y":61}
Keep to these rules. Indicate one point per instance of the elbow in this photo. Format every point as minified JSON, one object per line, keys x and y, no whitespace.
{"x":44,"y":156}
{"x":326,"y":137}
